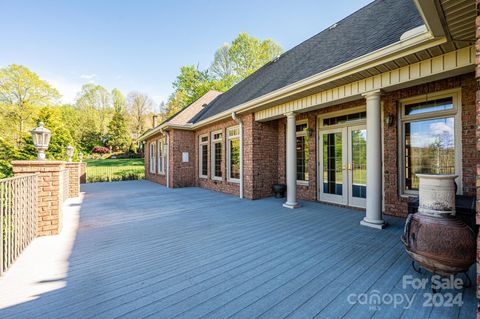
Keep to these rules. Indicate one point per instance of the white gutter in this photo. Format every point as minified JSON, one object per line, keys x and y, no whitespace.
{"x":240,"y":123}
{"x":167,"y":167}
{"x":410,"y":43}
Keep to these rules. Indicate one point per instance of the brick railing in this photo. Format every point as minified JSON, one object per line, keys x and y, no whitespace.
{"x":31,"y":203}
{"x":18,"y":217}
{"x":57,"y":181}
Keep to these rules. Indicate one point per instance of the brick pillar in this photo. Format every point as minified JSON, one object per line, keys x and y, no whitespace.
{"x":49,"y":193}
{"x":74,"y":179}
{"x":477,"y":75}
{"x":83,"y":173}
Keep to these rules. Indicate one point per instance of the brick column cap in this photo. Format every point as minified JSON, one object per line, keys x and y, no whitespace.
{"x":37,"y":166}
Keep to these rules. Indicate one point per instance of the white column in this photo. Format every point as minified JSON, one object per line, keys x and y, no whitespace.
{"x":374,"y":216}
{"x":291,"y":162}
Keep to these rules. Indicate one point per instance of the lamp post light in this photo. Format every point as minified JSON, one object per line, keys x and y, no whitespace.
{"x":69,"y":151}
{"x":80,"y":156}
{"x":41,"y":139}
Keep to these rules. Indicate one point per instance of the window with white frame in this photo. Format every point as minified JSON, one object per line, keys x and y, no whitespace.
{"x":152,"y":157}
{"x":216,"y":161}
{"x":233,"y":153}
{"x":203,"y":156}
{"x":161,"y":156}
{"x":302,"y":151}
{"x":430,"y":129}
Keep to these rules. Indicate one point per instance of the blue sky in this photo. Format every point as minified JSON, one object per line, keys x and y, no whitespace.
{"x":140,"y":45}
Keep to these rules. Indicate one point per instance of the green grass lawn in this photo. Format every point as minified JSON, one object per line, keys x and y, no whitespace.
{"x":107,"y":170}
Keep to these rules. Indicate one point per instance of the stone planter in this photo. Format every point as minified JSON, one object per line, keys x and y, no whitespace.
{"x":437,"y":194}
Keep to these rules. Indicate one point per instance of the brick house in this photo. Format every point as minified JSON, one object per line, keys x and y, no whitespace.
{"x":401,"y":71}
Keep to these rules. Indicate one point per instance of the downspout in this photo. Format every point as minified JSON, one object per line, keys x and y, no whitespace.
{"x":240,"y":123}
{"x":167,"y":167}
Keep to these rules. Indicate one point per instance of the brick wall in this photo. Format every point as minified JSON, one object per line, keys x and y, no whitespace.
{"x":83,"y":173}
{"x":182,"y":174}
{"x":222,"y":185}
{"x":261,"y":145}
{"x":477,"y":148}
{"x":264,"y":149}
{"x":74,"y":179}
{"x":154,"y":177}
{"x":394,"y":203}
{"x":48,"y":193}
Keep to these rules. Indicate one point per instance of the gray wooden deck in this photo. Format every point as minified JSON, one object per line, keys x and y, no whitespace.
{"x":142,"y":250}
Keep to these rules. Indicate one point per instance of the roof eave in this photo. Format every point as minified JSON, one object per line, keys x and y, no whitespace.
{"x":428,"y":9}
{"x":405,"y":46}
{"x":165,"y":127}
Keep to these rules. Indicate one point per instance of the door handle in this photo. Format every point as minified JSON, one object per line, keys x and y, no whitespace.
{"x":350,"y":166}
{"x":344,"y":167}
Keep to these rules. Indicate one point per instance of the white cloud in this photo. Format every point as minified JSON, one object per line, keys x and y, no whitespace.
{"x":67,"y":88}
{"x":88,"y":76}
{"x":440,"y":128}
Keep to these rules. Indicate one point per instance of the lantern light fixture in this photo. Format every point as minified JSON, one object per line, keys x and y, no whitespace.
{"x":80,"y":156}
{"x":69,"y":151}
{"x":41,"y":138}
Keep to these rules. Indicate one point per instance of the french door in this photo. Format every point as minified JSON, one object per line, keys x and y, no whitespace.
{"x":343,"y":165}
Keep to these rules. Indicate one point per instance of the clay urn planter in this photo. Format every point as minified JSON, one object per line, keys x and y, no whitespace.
{"x":434,"y":238}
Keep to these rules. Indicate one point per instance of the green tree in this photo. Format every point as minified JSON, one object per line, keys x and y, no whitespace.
{"x":139,"y":105}
{"x":234,"y":62}
{"x":193,"y":83}
{"x":22,"y":92}
{"x":118,"y":135}
{"x":248,"y":53}
{"x":95,"y":104}
{"x":222,"y":68}
{"x":94,"y":111}
{"x":231,"y":64}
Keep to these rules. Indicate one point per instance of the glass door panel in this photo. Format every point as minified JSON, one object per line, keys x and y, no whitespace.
{"x":357,"y":166}
{"x":332,"y":169}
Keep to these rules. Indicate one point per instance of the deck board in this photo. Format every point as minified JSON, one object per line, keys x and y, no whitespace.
{"x":142,"y":250}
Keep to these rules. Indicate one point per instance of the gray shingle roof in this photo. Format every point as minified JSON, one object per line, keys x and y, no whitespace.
{"x":373,"y":27}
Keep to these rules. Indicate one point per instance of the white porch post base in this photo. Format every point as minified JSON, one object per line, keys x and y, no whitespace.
{"x":291,"y":206}
{"x":378,"y":224}
{"x":374,"y":215}
{"x":291,"y":162}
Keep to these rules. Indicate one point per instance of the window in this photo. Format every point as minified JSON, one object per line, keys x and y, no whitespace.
{"x":302,"y":151}
{"x":430,"y":138}
{"x":203,"y":156}
{"x":152,"y":157}
{"x":161,"y":156}
{"x":233,"y":148}
{"x":342,"y":119}
{"x":216,"y":155}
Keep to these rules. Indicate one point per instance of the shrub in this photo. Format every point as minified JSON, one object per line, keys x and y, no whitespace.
{"x":101,"y":150}
{"x":5,"y":169}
